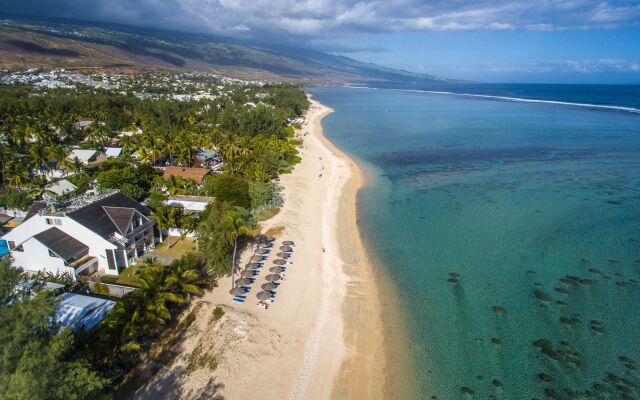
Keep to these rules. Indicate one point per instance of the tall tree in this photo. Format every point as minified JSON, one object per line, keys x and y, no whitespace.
{"x":37,"y":361}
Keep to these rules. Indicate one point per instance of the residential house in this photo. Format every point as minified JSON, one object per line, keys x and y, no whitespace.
{"x":206,"y":158}
{"x":113,"y":152}
{"x":89,"y":158}
{"x":84,"y":123}
{"x":195,"y":174}
{"x":61,"y":187}
{"x":102,"y":233}
{"x":190,"y":203}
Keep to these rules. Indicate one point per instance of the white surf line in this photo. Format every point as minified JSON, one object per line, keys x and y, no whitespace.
{"x":522,"y":100}
{"x":516,"y":99}
{"x":328,"y":275}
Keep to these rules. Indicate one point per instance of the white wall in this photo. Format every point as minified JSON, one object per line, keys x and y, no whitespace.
{"x":36,"y":224}
{"x":177,"y":232}
{"x":35,"y":257}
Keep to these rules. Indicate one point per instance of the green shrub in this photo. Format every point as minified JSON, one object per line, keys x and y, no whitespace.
{"x":218,"y":312}
{"x":100,"y":289}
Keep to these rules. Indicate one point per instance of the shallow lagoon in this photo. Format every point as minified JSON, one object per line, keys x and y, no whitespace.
{"x":512,"y":233}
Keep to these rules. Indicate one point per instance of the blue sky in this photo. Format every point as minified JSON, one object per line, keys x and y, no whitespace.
{"x":563,"y":41}
{"x":572,"y":56}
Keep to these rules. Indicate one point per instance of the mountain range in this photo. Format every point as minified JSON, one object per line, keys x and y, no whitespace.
{"x":80,"y":45}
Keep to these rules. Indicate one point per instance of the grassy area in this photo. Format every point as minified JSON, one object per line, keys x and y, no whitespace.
{"x":199,"y":358}
{"x":179,"y":247}
{"x":268,"y":214}
{"x":218,"y":312}
{"x":275,"y":231}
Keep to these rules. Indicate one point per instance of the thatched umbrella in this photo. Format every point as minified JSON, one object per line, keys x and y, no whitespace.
{"x":248,"y":273}
{"x":277,"y":270}
{"x":272,"y":277}
{"x":251,"y":266}
{"x":283,"y":255}
{"x":262,"y":251}
{"x":236,"y":291}
{"x":269,"y":286}
{"x":279,"y":261}
{"x":264,"y":295}
{"x":243,"y":281}
{"x":286,"y":248}
{"x":257,"y":258}
{"x":288,"y":243}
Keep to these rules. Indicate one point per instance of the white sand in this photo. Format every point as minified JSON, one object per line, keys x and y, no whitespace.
{"x":322,"y":337}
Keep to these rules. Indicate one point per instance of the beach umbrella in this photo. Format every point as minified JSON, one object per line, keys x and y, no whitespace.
{"x":269,"y":286}
{"x":279,"y":261}
{"x":283,"y":255}
{"x":267,"y":239}
{"x":286,"y":248}
{"x":272,"y":277}
{"x":243,"y":281}
{"x":252,"y":266}
{"x":276,"y":270}
{"x":288,"y":243}
{"x":256,"y":258}
{"x":264,"y":295}
{"x":248,"y":273}
{"x":236,"y":291}
{"x":262,"y":251}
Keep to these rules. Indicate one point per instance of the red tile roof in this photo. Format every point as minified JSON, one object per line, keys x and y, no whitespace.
{"x":196,"y":174}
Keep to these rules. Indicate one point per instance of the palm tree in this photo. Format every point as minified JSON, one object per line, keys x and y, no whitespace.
{"x":162,"y":218}
{"x":39,"y":187}
{"x":234,"y":226}
{"x":170,"y":145}
{"x":6,"y":160}
{"x":19,"y":175}
{"x":181,"y":279}
{"x":38,"y":156}
{"x":175,"y":220}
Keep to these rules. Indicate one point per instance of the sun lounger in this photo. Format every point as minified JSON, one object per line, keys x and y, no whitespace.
{"x":238,"y":299}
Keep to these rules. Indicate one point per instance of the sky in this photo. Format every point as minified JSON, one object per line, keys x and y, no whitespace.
{"x":546,"y":41}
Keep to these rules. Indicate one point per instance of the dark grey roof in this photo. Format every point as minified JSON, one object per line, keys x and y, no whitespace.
{"x":36,"y":206}
{"x":96,"y":218}
{"x":120,"y":217}
{"x":60,"y":243}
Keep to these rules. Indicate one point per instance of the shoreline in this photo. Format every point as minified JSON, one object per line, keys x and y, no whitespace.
{"x":323,"y":336}
{"x":376,"y":366}
{"x":362,"y":371}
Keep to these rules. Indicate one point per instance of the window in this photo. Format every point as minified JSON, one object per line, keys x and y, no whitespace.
{"x":53,"y":221}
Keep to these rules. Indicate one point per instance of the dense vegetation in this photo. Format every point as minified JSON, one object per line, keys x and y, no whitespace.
{"x":37,"y":360}
{"x":251,"y":134}
{"x":248,"y":126}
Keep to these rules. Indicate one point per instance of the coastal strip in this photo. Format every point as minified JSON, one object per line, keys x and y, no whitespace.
{"x":322,"y":337}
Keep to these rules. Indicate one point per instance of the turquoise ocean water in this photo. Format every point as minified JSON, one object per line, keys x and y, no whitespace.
{"x":511,"y":232}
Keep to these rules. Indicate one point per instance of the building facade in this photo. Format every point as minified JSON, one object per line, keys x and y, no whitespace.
{"x":102,"y":233}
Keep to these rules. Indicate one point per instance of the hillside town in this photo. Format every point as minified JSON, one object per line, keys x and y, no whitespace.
{"x":124,"y":196}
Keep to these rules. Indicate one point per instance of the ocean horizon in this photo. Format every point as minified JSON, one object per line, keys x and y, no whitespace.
{"x":507,"y":221}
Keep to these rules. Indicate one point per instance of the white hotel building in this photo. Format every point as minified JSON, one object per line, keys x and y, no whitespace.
{"x":102,"y":233}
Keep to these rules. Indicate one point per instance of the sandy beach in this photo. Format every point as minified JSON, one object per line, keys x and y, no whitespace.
{"x":322,"y":337}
